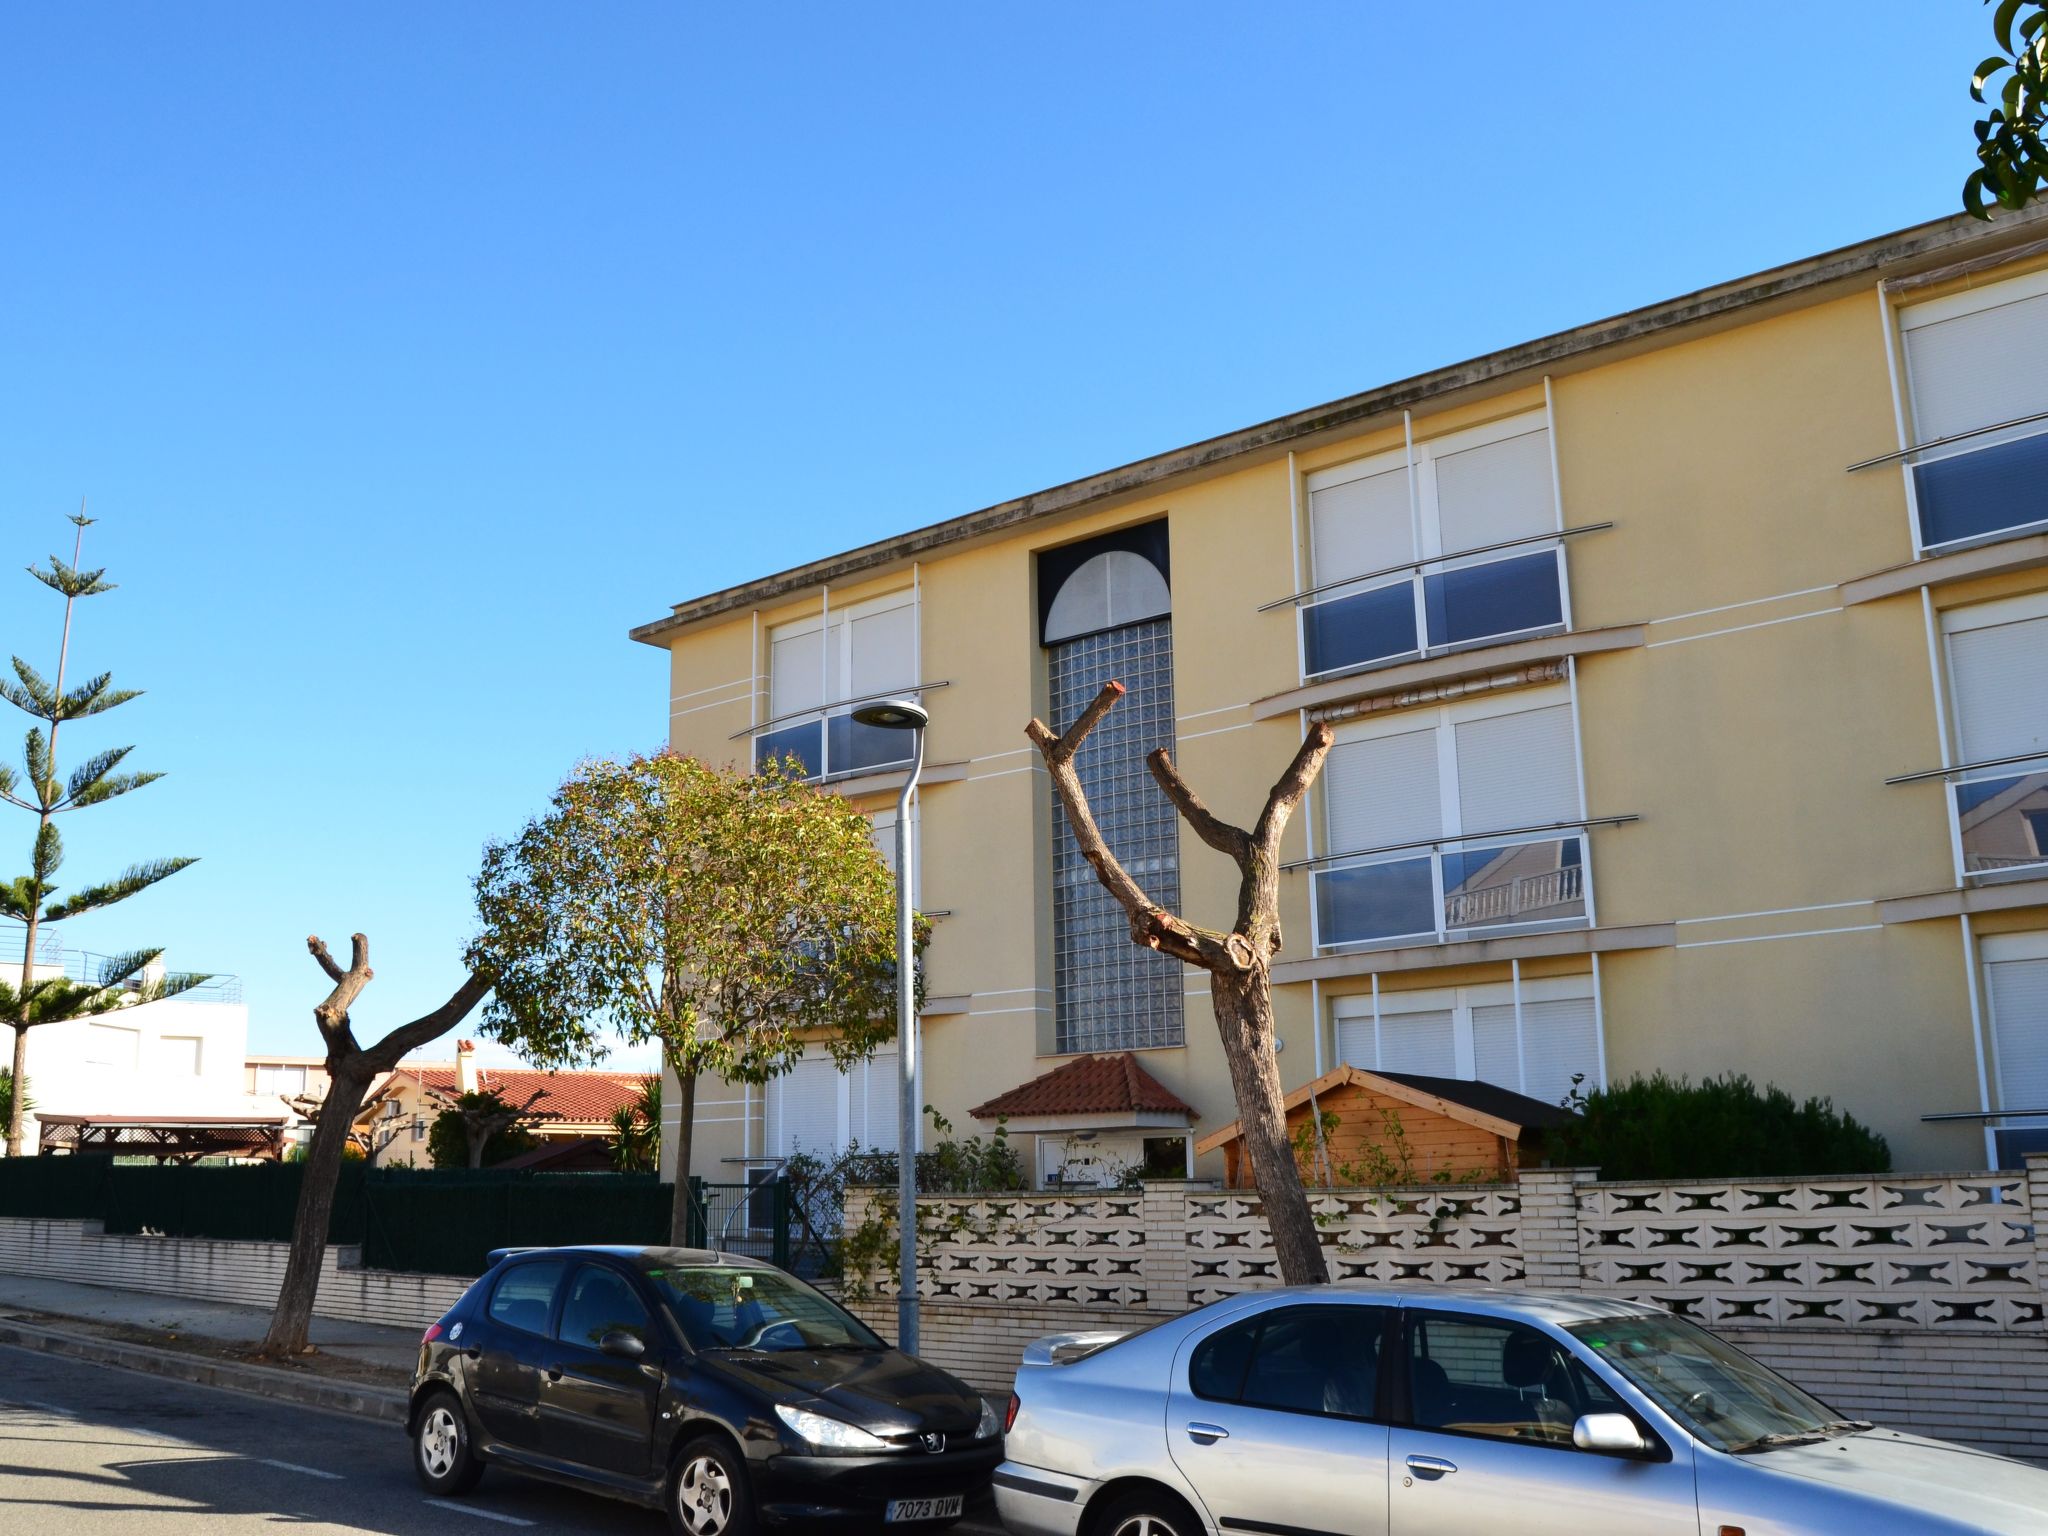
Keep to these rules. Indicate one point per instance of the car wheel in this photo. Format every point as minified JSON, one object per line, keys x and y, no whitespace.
{"x":708,"y":1492}
{"x":441,"y":1452}
{"x":1148,"y":1512}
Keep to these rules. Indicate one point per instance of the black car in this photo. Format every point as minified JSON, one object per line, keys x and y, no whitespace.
{"x":724,"y":1391}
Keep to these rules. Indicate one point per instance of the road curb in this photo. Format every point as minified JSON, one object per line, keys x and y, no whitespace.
{"x":385,"y":1403}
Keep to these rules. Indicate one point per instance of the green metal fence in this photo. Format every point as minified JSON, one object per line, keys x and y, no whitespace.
{"x":440,"y":1221}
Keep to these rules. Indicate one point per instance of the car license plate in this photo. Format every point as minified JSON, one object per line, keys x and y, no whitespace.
{"x":947,"y":1508}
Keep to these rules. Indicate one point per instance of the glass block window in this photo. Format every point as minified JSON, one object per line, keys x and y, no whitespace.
{"x":1109,"y":994}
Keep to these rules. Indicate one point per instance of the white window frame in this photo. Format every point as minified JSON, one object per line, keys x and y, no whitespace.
{"x":1993,"y":948}
{"x":1516,"y":992}
{"x":1425,"y":525}
{"x":1903,"y":319}
{"x":1957,"y":621}
{"x":836,"y":660}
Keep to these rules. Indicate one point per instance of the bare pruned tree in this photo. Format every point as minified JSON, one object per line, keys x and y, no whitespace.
{"x":1239,"y":960}
{"x":487,"y":1114}
{"x":350,"y":1070}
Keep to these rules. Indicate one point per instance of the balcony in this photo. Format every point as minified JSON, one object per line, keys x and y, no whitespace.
{"x":1459,"y":889}
{"x":1988,"y":488}
{"x":1488,"y":596}
{"x":2002,"y":819}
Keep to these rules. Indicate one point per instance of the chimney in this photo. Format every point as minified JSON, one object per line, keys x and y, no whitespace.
{"x":465,"y":1066}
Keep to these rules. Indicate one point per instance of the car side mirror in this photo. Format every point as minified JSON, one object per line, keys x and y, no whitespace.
{"x":1608,"y":1432}
{"x":627,"y":1346}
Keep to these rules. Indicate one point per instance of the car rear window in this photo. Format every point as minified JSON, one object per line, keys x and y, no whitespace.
{"x":524,"y":1297}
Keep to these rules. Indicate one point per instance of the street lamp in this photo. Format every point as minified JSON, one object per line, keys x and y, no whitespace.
{"x":904,"y":715}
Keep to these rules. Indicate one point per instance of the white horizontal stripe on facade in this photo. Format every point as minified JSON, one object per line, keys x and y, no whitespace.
{"x":1824,"y":906}
{"x":1739,"y":628}
{"x":989,"y":1013}
{"x":1009,"y":991}
{"x":1201,"y":713}
{"x":738,"y":682}
{"x":1221,"y":730}
{"x":1765,"y":938}
{"x":738,"y":698}
{"x":1003,"y":773}
{"x":989,"y":757}
{"x":1754,"y":602}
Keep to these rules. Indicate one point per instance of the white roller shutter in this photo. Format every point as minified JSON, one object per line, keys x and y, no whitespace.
{"x":2018,"y":995}
{"x":1495,"y":1056}
{"x":1382,"y":790}
{"x":1495,"y":492}
{"x":1361,"y":525}
{"x":1559,"y":1039}
{"x":1423,"y":1042}
{"x":2001,"y":678}
{"x":796,"y":675}
{"x":1355,"y":1044}
{"x":803,"y":1109}
{"x":875,"y":1094}
{"x":884,"y":652}
{"x":1517,"y":770}
{"x":1971,"y":370}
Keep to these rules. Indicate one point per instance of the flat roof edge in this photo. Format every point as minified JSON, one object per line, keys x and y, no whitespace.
{"x":1920,"y":243}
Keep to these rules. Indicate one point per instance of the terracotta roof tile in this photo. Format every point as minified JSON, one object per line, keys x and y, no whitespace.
{"x":1088,"y":1085}
{"x":576,"y":1097}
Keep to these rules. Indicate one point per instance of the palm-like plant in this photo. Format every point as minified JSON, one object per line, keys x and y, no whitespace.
{"x":637,"y":1148}
{"x":7,"y":1095}
{"x":46,"y":795}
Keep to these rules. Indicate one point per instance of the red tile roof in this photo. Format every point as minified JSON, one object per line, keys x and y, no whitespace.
{"x":581,"y":1098}
{"x":1088,"y":1085}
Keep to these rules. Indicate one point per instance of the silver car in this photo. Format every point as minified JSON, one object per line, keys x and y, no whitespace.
{"x":1356,"y":1411}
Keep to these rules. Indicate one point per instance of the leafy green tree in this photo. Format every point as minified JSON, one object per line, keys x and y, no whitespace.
{"x":728,"y":917}
{"x":481,"y":1130}
{"x":637,"y":1147}
{"x":7,"y":1081}
{"x":2012,"y":156}
{"x":47,"y":794}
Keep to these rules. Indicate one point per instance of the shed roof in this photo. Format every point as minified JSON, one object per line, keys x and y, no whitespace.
{"x":1501,"y":1111}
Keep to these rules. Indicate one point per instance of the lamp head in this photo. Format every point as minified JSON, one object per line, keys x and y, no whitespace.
{"x":893,"y":715}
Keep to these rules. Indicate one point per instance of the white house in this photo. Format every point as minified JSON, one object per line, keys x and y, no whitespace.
{"x":179,"y":1060}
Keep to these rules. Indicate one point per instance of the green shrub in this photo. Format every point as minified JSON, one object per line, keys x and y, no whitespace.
{"x":1722,"y":1128}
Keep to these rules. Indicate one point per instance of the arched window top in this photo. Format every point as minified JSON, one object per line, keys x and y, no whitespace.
{"x":1114,"y":588}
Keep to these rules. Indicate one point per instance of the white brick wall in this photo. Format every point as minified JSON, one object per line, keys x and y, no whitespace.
{"x":247,"y":1274}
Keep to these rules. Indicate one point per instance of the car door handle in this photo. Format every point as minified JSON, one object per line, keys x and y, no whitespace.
{"x":1207,"y":1434}
{"x":1430,"y":1467}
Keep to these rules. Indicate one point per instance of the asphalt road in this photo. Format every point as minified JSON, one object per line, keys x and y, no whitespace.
{"x":87,"y":1450}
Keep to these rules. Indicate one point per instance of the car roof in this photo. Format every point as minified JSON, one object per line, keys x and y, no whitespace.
{"x":1559,"y":1309}
{"x":642,"y":1256}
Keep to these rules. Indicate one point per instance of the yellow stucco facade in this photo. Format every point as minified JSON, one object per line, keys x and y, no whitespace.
{"x":1752,"y":640}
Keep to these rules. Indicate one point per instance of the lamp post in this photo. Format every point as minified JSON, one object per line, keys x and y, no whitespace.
{"x":904,"y":715}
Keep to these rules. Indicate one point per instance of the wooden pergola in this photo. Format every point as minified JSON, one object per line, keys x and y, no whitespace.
{"x":185,"y":1138}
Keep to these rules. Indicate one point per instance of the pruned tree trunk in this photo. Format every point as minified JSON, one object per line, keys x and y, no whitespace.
{"x":18,"y":1106}
{"x":351,"y":1069}
{"x":1239,"y":960}
{"x":686,"y":1112}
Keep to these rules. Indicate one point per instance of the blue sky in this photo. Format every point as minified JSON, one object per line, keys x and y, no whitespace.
{"x":410,"y":354}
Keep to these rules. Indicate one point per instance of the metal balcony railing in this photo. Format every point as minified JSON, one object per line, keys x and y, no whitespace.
{"x":830,"y":743}
{"x":90,"y":966}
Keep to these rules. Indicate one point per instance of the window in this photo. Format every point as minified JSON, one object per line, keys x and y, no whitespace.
{"x":1480,"y":1376}
{"x":861,"y":652}
{"x":2016,"y":1000}
{"x":177,"y":1055}
{"x":1974,"y":360}
{"x":764,"y":1309}
{"x":818,"y":1109}
{"x":1473,"y":1033}
{"x":1321,"y":1360}
{"x":1419,"y":552}
{"x":601,"y":1301}
{"x":525,"y":1295}
{"x":1425,"y":822}
{"x":1105,"y":612}
{"x":1109,"y":994}
{"x":1998,"y":663}
{"x":112,"y":1046}
{"x":285,"y":1082}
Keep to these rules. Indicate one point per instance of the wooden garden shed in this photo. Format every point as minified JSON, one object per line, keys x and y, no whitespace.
{"x":1402,"y":1127}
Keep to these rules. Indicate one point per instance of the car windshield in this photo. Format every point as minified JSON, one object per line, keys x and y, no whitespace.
{"x":719,"y":1307}
{"x":1717,"y":1392}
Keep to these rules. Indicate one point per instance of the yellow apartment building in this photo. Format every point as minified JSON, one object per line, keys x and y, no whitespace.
{"x":1689,"y":672}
